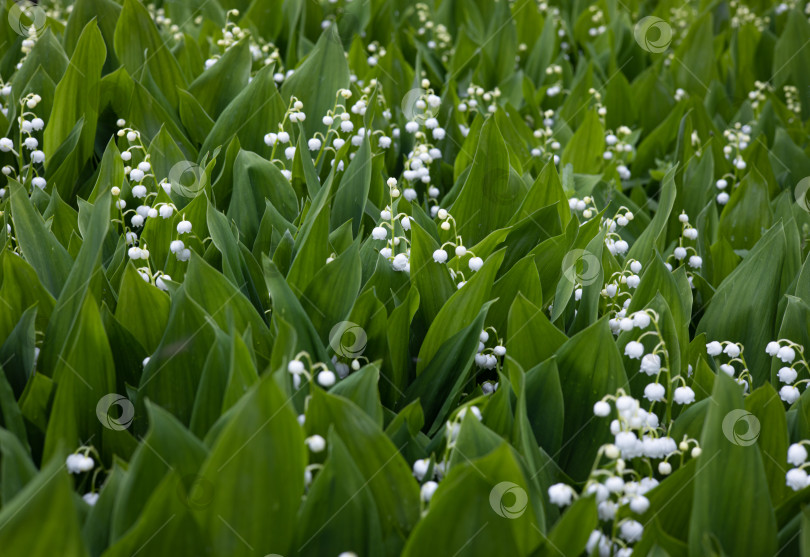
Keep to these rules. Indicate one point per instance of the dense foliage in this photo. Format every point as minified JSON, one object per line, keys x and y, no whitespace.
{"x":375,"y":277}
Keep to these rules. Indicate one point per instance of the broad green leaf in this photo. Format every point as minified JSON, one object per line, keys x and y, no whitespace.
{"x":743,"y":307}
{"x":77,"y":97}
{"x":590,"y":366}
{"x":139,"y":46}
{"x":383,"y":469}
{"x":460,"y":310}
{"x":142,"y":308}
{"x":737,"y":517}
{"x":339,"y":510}
{"x":490,"y":181}
{"x":45,"y":254}
{"x":171,"y":376}
{"x":167,"y":447}
{"x":318,"y":78}
{"x":84,"y":373}
{"x":486,"y":501}
{"x":27,"y":521}
{"x":261,"y":451}
{"x":217,"y":86}
{"x":526,"y":323}
{"x":247,"y":115}
{"x":586,"y":147}
{"x":85,"y":270}
{"x":352,"y":193}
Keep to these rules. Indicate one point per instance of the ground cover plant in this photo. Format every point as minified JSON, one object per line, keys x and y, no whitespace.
{"x":377,"y":277}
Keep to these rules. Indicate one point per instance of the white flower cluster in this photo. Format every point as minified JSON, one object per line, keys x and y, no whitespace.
{"x":324,"y":376}
{"x":620,"y":150}
{"x":786,"y":351}
{"x":734,"y":351}
{"x":792,"y":101}
{"x":586,"y":206}
{"x":737,"y":139}
{"x":549,"y":147}
{"x":437,"y":35}
{"x":433,"y":470}
{"x":141,"y":175}
{"x":615,"y":290}
{"x":476,"y":98}
{"x":797,"y":478}
{"x":78,"y":463}
{"x":614,"y":485}
{"x":29,"y":123}
{"x":400,"y":261}
{"x":612,"y":492}
{"x":557,"y":86}
{"x":440,"y":255}
{"x":635,"y":431}
{"x":680,"y":253}
{"x":487,"y":358}
{"x":614,"y":242}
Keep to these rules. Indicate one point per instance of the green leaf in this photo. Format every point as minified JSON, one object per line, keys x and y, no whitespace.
{"x":217,"y":86}
{"x":654,"y":235}
{"x":76,"y":97}
{"x":18,"y":468}
{"x":486,"y":502}
{"x":324,"y":307}
{"x":318,"y":78}
{"x":439,"y":385}
{"x":570,"y":535}
{"x":339,"y":510}
{"x":247,"y":115}
{"x":139,"y":46}
{"x":460,"y":310}
{"x":171,"y":376}
{"x":527,"y":322}
{"x":764,"y":403}
{"x":721,"y":508}
{"x":590,"y":366}
{"x":490,"y":179}
{"x":584,"y":151}
{"x":167,"y":447}
{"x":256,"y":180}
{"x":226,"y":304}
{"x":142,"y":308}
{"x":352,"y":193}
{"x":79,"y":384}
{"x":694,"y":64}
{"x":744,"y":305}
{"x":286,"y":305}
{"x":383,"y":469}
{"x":27,"y":521}
{"x":45,"y":254}
{"x":261,"y":451}
{"x":428,"y":276}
